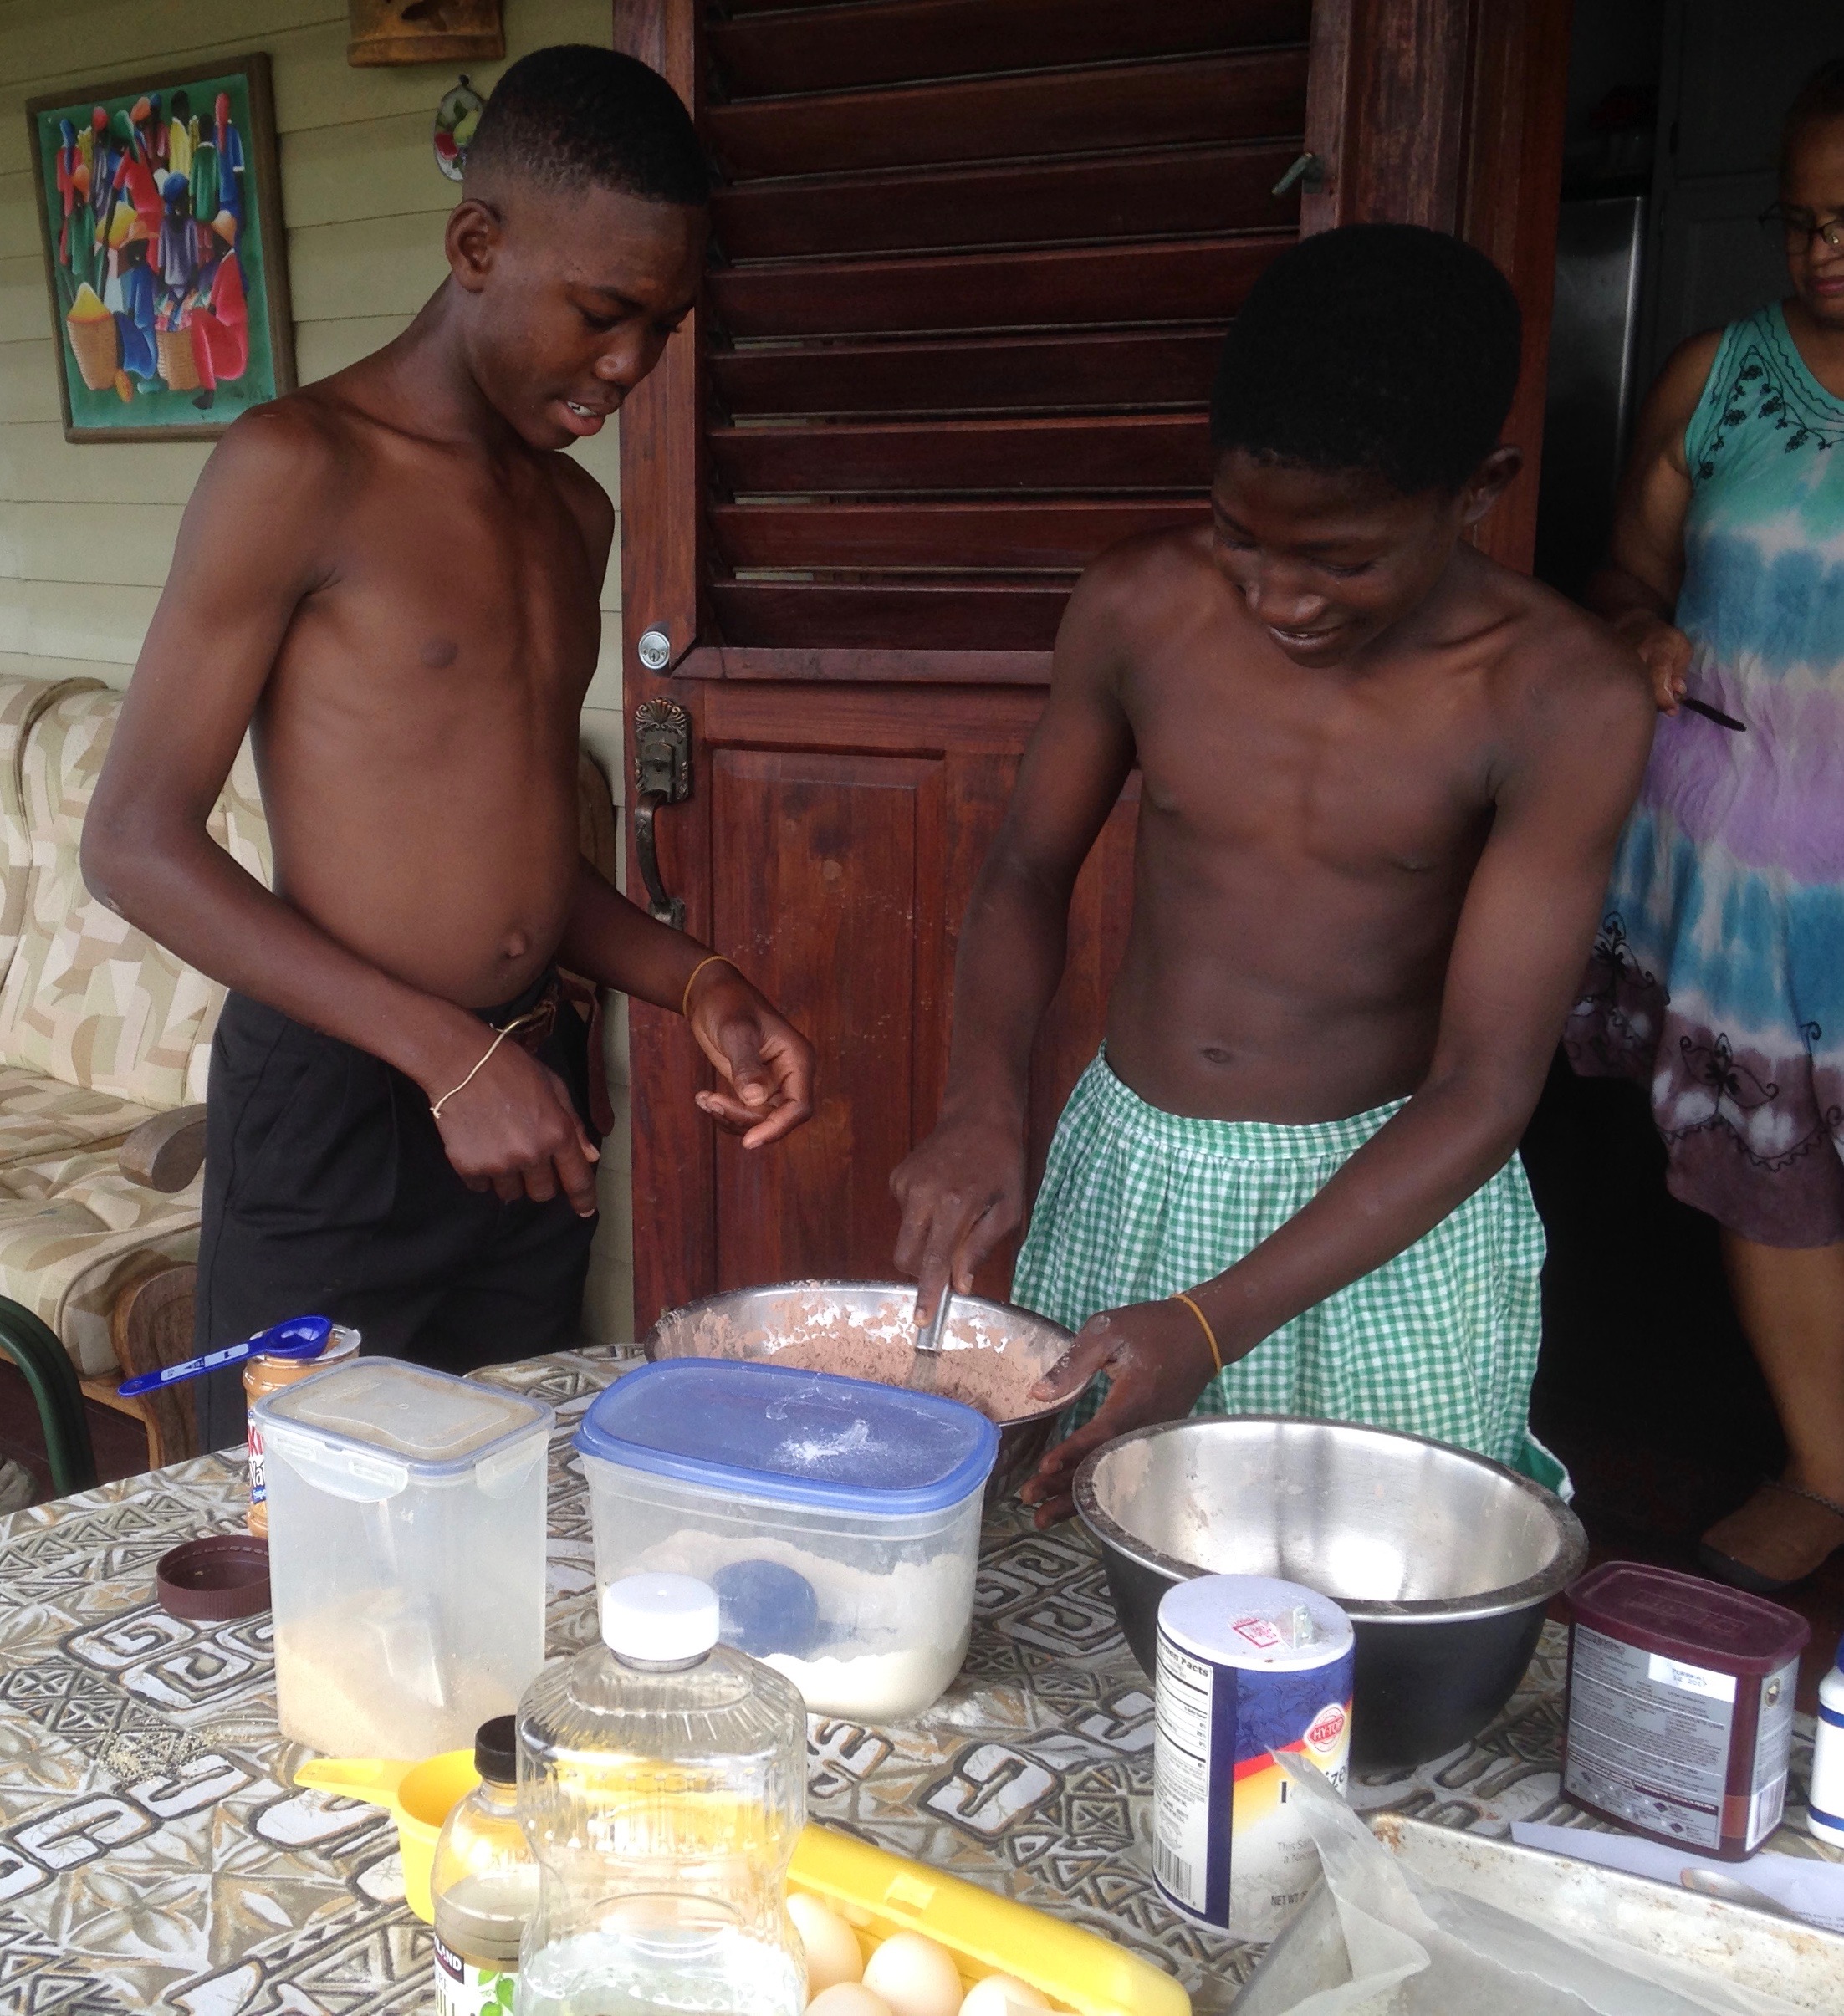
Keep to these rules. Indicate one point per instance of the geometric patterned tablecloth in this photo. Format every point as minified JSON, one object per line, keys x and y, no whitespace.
{"x":155,"y":1854}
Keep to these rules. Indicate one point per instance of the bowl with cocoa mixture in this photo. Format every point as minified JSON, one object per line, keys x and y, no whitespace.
{"x":992,"y":1354}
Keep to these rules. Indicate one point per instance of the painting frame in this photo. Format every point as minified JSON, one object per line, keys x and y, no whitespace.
{"x":268,"y":328}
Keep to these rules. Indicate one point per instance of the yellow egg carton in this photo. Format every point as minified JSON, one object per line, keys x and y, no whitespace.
{"x":877,"y":1893}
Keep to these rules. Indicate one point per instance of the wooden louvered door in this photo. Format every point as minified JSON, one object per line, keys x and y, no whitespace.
{"x":972,"y":261}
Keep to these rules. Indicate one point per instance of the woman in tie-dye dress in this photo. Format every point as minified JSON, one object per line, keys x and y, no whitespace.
{"x":1718,"y":978}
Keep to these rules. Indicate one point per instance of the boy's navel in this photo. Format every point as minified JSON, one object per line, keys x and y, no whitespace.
{"x":440,"y":651}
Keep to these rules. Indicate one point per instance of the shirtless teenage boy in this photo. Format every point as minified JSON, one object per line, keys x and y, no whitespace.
{"x":1381,"y":779}
{"x":394,"y":575}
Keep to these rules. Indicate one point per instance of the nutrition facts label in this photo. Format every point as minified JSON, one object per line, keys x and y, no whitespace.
{"x":1181,"y":1776}
{"x":1649,"y":1737}
{"x":1773,"y":1746}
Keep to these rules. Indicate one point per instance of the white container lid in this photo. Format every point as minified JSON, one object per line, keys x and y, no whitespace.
{"x":661,"y":1617}
{"x":1255,"y":1622}
{"x":431,"y":1426}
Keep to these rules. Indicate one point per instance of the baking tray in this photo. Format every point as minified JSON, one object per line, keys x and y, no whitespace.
{"x":1798,"y":1963}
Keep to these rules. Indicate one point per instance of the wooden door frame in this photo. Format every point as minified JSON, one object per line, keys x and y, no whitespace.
{"x":1447,"y":113}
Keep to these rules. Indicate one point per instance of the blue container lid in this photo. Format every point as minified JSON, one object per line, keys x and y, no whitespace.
{"x":802,"y":1438}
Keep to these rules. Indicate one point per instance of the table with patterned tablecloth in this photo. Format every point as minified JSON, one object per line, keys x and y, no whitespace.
{"x":154,"y":1852}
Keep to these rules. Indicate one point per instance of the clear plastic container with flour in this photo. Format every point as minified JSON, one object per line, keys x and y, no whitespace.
{"x":837,"y":1520}
{"x":406,"y":1555}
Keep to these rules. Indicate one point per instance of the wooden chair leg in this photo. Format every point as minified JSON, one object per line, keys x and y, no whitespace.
{"x":152,"y":1326}
{"x":58,"y":1392}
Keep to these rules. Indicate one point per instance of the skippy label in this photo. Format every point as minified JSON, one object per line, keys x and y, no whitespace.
{"x":463,"y":1989}
{"x":259,"y":1488}
{"x":1227,"y":1844}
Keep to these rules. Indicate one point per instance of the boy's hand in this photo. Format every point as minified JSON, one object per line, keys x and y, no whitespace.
{"x":513,"y":1130}
{"x":962,"y":1190}
{"x":1156,"y":1356}
{"x":766,"y":1062}
{"x":1664,"y":650}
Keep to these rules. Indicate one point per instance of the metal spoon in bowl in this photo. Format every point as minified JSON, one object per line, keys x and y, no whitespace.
{"x":925,"y":1367}
{"x":1719,"y":1883}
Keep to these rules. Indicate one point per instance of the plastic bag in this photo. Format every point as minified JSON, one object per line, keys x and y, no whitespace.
{"x":1416,"y":1949}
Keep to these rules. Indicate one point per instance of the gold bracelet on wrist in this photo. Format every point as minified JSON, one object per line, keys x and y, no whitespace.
{"x":1209,"y":1334}
{"x":715,"y":959}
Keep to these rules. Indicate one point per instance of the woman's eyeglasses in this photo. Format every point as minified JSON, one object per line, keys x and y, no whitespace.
{"x":1795,"y":229}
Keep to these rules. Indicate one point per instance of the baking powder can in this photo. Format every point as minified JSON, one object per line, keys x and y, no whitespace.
{"x":1250,"y":1669}
{"x":1678,"y":1719}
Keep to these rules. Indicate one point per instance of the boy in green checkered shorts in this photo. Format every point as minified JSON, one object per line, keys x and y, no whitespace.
{"x":1381,"y":782}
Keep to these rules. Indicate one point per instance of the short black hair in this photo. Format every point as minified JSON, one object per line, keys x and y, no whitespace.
{"x":1384,"y":347}
{"x":1818,"y":101}
{"x":575,"y":116}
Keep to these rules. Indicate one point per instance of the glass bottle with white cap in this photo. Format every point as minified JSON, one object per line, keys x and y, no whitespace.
{"x":662,"y":1784}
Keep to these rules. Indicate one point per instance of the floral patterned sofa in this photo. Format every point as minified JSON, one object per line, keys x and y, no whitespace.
{"x":104,"y":1039}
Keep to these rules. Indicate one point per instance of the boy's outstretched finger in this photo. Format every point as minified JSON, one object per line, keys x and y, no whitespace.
{"x":930,"y":1285}
{"x":576,"y":1161}
{"x":576,"y":1176}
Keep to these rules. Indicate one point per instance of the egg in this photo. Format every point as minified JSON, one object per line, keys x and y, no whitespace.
{"x":832,"y":1945}
{"x":915,"y":1975}
{"x":1001,"y":1995}
{"x":847,"y":1998}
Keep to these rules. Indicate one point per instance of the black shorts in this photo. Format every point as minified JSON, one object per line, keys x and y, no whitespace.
{"x":327,"y":1192}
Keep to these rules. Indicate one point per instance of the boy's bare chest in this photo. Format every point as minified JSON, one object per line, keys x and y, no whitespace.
{"x":1392,"y":782}
{"x":459,"y":587}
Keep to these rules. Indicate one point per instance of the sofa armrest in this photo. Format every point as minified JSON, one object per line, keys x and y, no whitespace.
{"x":166,"y":1152}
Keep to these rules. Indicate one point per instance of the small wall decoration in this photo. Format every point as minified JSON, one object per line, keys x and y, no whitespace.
{"x":425,"y":31}
{"x":159,"y":202}
{"x":455,"y":118}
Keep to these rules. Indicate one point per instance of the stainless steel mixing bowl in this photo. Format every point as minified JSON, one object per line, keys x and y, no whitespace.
{"x":1444,"y":1562}
{"x":762,"y":1323}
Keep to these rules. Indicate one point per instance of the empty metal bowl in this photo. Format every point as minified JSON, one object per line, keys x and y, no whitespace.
{"x":1444,"y":1562}
{"x":992,"y":1353}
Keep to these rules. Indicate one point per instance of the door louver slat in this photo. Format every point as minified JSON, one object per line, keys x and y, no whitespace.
{"x":1187,"y":190}
{"x":1170,"y":102}
{"x":1094,"y":371}
{"x":1091,"y":451}
{"x":823,"y":47}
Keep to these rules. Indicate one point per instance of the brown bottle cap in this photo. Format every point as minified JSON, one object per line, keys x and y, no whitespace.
{"x":213,"y":1581}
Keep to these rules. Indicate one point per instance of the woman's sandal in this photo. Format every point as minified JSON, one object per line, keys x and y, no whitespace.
{"x":1727,"y":1567}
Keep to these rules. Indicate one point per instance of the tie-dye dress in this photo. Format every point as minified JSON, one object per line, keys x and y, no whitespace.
{"x":1718,"y":976}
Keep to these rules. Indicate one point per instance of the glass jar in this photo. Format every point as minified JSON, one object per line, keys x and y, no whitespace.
{"x":482,"y":1884}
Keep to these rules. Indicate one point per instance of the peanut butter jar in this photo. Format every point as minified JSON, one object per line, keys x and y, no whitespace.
{"x":262,"y":1376}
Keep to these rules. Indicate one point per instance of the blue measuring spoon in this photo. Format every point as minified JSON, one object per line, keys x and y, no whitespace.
{"x":299,"y":1337}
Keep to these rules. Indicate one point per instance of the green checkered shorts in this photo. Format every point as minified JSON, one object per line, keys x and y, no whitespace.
{"x":1137,"y":1204}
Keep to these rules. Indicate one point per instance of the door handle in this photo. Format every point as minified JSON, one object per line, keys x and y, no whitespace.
{"x":662,"y":776}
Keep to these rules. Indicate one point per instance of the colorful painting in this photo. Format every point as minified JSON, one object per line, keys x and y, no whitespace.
{"x":159,"y":201}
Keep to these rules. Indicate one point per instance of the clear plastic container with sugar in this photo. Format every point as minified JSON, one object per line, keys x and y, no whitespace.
{"x":406,"y":1555}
